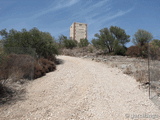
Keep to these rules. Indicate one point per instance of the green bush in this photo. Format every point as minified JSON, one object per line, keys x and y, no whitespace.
{"x":83,"y":43}
{"x":120,"y":50}
{"x":154,"y":51}
{"x":43,"y":43}
{"x":70,"y":44}
{"x":90,"y":49}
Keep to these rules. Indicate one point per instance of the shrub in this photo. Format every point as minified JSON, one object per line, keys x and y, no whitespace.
{"x":141,"y":76}
{"x":42,"y":67}
{"x":24,"y":66}
{"x":43,"y":43}
{"x":18,"y":68}
{"x":53,"y":59}
{"x":120,"y":50}
{"x":90,"y":49}
{"x":38,"y":71}
{"x":137,"y":51}
{"x":83,"y":43}
{"x":47,"y":65}
{"x":133,"y":51}
{"x":18,"y":65}
{"x":70,"y":44}
{"x":154,"y":51}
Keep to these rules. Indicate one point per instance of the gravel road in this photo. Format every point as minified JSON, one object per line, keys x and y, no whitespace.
{"x":81,"y":89}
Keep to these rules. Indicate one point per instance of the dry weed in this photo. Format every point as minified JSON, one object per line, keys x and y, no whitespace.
{"x":128,"y":71}
{"x":141,"y":76}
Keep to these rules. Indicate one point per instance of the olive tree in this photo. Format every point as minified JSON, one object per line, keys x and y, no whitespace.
{"x":155,"y":43}
{"x":141,"y":37}
{"x":111,"y":40}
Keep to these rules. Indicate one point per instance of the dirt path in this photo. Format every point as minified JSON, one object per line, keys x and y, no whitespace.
{"x":83,"y":90}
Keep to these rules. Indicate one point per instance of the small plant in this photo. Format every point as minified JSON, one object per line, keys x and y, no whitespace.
{"x":128,"y":71}
{"x":90,"y":49}
{"x":141,"y":76}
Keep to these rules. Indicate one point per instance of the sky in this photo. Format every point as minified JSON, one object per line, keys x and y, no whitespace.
{"x":56,"y":16}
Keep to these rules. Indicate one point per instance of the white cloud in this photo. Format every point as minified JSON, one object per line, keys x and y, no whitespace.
{"x":98,"y":13}
{"x":95,"y":15}
{"x":56,"y":6}
{"x":64,"y":4}
{"x":111,"y":16}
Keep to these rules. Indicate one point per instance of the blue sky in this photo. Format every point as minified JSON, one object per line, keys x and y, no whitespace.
{"x":56,"y":16}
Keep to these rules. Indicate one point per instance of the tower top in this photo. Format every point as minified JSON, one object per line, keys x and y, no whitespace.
{"x":78,"y":31}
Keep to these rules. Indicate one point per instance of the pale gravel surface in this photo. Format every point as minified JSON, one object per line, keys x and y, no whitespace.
{"x":82,"y":90}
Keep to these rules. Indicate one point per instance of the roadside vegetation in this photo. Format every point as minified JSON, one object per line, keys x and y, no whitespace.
{"x":24,"y":55}
{"x":112,"y":41}
{"x":109,"y":46}
{"x":29,"y":54}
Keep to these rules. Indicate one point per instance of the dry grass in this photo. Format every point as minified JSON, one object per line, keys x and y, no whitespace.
{"x":141,"y":76}
{"x":16,"y":70}
{"x":128,"y":71}
{"x":17,"y":67}
{"x":80,"y":52}
{"x":136,"y":67}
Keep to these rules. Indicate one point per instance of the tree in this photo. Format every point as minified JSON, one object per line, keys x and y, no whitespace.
{"x":43,"y":42}
{"x":155,"y":49}
{"x":155,"y":43}
{"x":95,"y":43}
{"x":120,"y":35}
{"x":141,"y":40}
{"x":61,"y":38}
{"x":1,"y":47}
{"x":83,"y":43}
{"x":111,"y":39}
{"x":70,"y":44}
{"x":105,"y":40}
{"x":141,"y":37}
{"x":119,"y":49}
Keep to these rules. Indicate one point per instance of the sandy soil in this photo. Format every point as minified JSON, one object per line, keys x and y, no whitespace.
{"x":83,"y":90}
